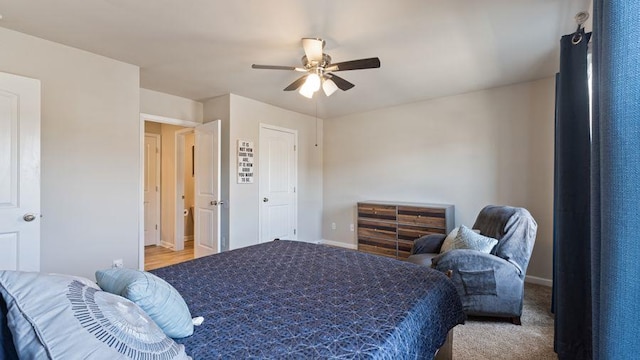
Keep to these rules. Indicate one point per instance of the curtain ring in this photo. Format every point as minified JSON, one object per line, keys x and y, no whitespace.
{"x":577,"y":37}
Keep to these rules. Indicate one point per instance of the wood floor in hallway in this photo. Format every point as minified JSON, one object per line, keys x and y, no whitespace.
{"x":157,"y":256}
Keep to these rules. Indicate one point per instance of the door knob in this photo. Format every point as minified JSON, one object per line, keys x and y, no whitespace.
{"x":265,"y":200}
{"x":214,"y":203}
{"x":29,"y":217}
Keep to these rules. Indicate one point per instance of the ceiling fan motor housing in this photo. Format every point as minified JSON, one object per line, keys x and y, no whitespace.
{"x":309,"y":65}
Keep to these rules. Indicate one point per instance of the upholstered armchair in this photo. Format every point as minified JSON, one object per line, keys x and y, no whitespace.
{"x":489,"y":284}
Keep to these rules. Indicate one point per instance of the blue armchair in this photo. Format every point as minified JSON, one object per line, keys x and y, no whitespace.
{"x":488,"y":284}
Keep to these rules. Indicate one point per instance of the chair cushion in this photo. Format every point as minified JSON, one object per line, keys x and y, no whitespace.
{"x":156,"y":297}
{"x":422,"y":259}
{"x":466,"y":238}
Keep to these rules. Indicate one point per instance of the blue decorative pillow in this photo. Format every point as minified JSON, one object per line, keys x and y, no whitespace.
{"x":156,"y":297}
{"x":469,"y":239}
{"x":60,"y":317}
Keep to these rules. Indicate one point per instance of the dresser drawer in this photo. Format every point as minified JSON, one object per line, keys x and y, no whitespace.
{"x":377,"y":229}
{"x":428,"y":217}
{"x":404,"y":248}
{"x":375,"y":211}
{"x":377,"y":246}
{"x":412,"y":232}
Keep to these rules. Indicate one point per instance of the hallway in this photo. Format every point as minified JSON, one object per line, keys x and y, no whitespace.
{"x":157,"y":256}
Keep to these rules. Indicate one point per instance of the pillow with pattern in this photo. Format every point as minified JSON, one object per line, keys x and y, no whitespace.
{"x":466,"y":238}
{"x":161,"y":301}
{"x":60,"y":317}
{"x":448,"y":242}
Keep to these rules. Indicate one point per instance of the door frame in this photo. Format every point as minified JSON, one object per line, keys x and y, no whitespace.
{"x":159,"y":119}
{"x":179,"y":142}
{"x":158,"y":174}
{"x":295,"y":175}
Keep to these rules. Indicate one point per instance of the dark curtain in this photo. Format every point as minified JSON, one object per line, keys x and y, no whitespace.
{"x":616,"y":180}
{"x":572,"y":244}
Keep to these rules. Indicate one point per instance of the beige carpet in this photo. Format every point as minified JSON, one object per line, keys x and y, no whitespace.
{"x":495,"y":339}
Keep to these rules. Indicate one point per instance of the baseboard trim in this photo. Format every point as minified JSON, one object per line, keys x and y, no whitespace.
{"x":188,"y":238}
{"x":338,"y":244}
{"x":168,"y":245}
{"x":538,"y":280}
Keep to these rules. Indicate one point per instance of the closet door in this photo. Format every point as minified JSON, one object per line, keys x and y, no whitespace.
{"x":19,"y":173}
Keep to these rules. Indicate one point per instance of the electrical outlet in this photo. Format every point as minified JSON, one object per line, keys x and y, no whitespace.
{"x":118,"y":263}
{"x":333,"y":226}
{"x":351,"y":227}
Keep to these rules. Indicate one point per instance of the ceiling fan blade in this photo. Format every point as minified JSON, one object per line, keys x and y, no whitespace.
{"x":370,"y":63}
{"x":296,"y":84}
{"x":313,"y":48}
{"x":341,"y":83}
{"x":273,"y":67}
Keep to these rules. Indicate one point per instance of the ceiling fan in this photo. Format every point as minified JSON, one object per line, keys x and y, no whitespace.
{"x":320,"y":70}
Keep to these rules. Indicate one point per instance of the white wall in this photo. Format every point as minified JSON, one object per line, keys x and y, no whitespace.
{"x":488,"y":147}
{"x":90,"y":153}
{"x":171,"y":106}
{"x":242,"y":117}
{"x":246,"y":117}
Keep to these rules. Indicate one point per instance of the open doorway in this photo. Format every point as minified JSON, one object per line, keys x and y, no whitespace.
{"x":189,"y":189}
{"x":184,"y":185}
{"x":168,"y":169}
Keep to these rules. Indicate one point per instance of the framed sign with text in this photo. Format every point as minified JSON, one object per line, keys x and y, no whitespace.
{"x":245,"y":162}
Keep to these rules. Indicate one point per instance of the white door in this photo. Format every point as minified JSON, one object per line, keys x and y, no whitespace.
{"x":278,"y":181}
{"x":19,"y":173}
{"x":151,"y":189}
{"x":207,"y":189}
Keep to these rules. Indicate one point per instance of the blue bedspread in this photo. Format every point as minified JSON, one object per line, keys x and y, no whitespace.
{"x":287,"y":299}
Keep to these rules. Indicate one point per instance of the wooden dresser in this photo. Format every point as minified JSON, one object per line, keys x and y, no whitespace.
{"x":389,"y":228}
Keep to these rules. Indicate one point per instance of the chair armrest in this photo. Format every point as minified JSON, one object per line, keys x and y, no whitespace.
{"x":472,"y":259}
{"x":428,"y":244}
{"x":487,"y":284}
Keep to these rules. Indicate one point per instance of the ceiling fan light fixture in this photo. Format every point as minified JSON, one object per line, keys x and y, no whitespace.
{"x":306,"y":92}
{"x":311,"y":85}
{"x":312,"y":82}
{"x":329,"y":87}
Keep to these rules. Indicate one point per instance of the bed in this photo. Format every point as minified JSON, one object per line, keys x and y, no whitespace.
{"x":288,"y":299}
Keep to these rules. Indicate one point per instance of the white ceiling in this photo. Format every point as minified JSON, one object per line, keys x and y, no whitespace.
{"x":204,"y":48}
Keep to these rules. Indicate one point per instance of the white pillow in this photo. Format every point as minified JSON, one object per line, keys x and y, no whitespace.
{"x":59,"y":317}
{"x":467,"y":239}
{"x":448,"y":243}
